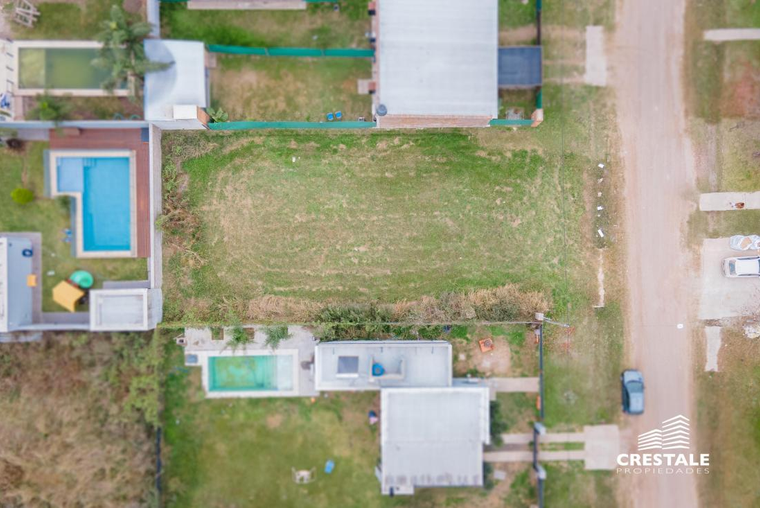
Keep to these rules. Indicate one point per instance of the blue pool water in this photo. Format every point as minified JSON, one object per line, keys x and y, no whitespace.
{"x":104,"y":184}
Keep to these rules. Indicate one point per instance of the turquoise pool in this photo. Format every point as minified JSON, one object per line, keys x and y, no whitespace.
{"x":250,"y":373}
{"x":104,"y":185}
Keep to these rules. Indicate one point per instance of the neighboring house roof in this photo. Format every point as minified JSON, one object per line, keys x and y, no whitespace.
{"x":433,"y":437}
{"x":347,"y":365}
{"x":438,"y":57}
{"x":184,"y":83}
{"x":16,"y":305}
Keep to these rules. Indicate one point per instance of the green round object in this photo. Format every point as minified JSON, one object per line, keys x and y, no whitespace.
{"x":82,"y":279}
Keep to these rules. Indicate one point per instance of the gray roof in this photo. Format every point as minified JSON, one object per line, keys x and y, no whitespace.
{"x":347,"y":365}
{"x":15,"y":294}
{"x":438,"y":57}
{"x":520,"y":67}
{"x":182,"y":84}
{"x":433,"y":437}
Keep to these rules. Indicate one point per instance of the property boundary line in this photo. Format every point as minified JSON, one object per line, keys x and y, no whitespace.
{"x":296,"y":52}
{"x":252,"y":125}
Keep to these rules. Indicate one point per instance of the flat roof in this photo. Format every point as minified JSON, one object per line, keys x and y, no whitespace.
{"x":182,"y":84}
{"x":433,"y":437}
{"x":120,"y":309}
{"x":347,"y":365}
{"x":438,"y":57}
{"x":520,"y":67}
{"x":16,"y":299}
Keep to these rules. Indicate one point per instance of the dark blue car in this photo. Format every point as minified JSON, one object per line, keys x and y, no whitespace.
{"x":633,"y":392}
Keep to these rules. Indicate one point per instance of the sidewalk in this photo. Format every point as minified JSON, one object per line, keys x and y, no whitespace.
{"x":725,"y":201}
{"x":732,"y":34}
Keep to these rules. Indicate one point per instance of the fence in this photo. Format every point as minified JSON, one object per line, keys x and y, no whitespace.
{"x":250,"y":125}
{"x":299,"y":52}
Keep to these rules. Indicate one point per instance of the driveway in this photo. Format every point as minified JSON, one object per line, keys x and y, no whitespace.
{"x":659,"y":175}
{"x":720,"y":296}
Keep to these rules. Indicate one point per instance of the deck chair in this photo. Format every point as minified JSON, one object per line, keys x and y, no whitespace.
{"x":25,"y":13}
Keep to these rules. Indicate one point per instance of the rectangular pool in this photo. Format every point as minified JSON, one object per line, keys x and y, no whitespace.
{"x":102,"y":185}
{"x":60,"y":66}
{"x":250,"y":373}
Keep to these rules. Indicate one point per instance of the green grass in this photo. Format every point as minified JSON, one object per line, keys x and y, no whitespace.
{"x":65,"y":21}
{"x":363,"y":217}
{"x":518,"y":411}
{"x":221,"y":453}
{"x":299,"y":89}
{"x":514,"y":13}
{"x":739,"y":166}
{"x":48,"y":217}
{"x":729,"y":400}
{"x":583,"y":389}
{"x":570,"y":486}
{"x":319,"y":26}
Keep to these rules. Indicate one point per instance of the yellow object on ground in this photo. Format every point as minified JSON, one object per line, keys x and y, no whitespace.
{"x":31,"y":280}
{"x":67,"y":296}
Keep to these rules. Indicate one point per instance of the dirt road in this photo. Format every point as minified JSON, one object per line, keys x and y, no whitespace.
{"x":659,"y":171}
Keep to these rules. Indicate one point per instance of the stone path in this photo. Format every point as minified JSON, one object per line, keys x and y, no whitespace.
{"x":732,"y":34}
{"x":725,"y":201}
{"x":513,"y":384}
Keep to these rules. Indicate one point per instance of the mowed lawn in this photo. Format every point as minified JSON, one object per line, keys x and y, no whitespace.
{"x":357,"y":217}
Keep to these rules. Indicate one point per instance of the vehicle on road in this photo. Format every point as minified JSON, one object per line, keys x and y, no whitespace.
{"x":633,"y":392}
{"x":747,"y":266}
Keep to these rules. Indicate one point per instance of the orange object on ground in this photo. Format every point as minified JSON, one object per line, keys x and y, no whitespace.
{"x":486,"y":345}
{"x":31,"y":280}
{"x":67,"y":295}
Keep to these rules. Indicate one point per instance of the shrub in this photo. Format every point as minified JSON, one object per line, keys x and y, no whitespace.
{"x":353,"y":321}
{"x":50,"y":108}
{"x":239,"y":336}
{"x":275,"y":335}
{"x":498,"y":424}
{"x":218,"y":115}
{"x":22,"y":196}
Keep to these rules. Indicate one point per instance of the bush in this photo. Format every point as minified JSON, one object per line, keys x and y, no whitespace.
{"x":353,"y":321}
{"x":22,"y":196}
{"x":239,"y":336}
{"x":275,"y":335}
{"x":50,"y":108}
{"x":218,"y":115}
{"x":498,"y":424}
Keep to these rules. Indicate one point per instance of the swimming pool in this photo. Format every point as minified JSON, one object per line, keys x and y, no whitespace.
{"x":101,"y":184}
{"x":60,"y":67}
{"x":250,"y":373}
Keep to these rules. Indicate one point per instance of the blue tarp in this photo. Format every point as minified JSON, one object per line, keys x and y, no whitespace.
{"x":520,"y":67}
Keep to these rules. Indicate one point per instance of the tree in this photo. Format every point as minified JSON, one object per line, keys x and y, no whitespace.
{"x":123,"y":53}
{"x":22,"y":196}
{"x":50,"y":108}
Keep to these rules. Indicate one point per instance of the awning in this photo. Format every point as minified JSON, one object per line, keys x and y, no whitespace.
{"x":67,"y":296}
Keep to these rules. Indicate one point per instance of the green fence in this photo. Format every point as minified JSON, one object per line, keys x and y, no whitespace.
{"x":503,"y":122}
{"x":245,"y":125}
{"x":299,"y":52}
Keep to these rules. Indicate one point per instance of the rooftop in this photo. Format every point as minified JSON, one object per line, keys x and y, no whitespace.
{"x":433,"y":437}
{"x":348,"y":365}
{"x":438,"y":58}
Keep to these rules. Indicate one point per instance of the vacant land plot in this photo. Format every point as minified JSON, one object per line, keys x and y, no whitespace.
{"x":361,"y":217}
{"x":728,"y":400}
{"x":73,"y":414}
{"x":285,"y":88}
{"x":51,"y":217}
{"x":317,"y":27}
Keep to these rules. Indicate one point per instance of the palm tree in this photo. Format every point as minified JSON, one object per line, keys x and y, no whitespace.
{"x":123,"y":53}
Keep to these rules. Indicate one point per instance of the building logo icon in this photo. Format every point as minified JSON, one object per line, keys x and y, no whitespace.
{"x":672,"y":435}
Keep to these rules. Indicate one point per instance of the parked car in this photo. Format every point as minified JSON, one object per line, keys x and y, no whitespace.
{"x":633,"y":392}
{"x":747,"y":266}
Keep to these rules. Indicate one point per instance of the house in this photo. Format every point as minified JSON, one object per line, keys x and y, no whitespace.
{"x":17,"y":281}
{"x":438,"y":64}
{"x":432,"y":437}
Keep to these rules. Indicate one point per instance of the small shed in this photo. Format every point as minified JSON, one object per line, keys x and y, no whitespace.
{"x":520,"y":67}
{"x":122,"y":310}
{"x":433,"y":437}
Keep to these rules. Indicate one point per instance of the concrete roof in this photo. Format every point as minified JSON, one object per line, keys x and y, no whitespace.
{"x":438,"y":57}
{"x":182,"y":84}
{"x":433,"y":437}
{"x":15,"y":295}
{"x":520,"y":67}
{"x":122,"y":309}
{"x":346,"y":365}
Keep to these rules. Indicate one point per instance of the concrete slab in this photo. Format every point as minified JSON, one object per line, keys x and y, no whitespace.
{"x":513,"y":384}
{"x":602,"y":446}
{"x":726,"y":201}
{"x":712,"y":335}
{"x":721,"y":297}
{"x":732,"y":34}
{"x":596,"y":58}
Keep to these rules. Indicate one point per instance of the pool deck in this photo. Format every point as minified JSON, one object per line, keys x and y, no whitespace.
{"x":117,"y":139}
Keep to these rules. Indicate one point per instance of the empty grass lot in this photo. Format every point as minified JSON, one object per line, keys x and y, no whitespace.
{"x":359,"y":217}
{"x":50,"y":217}
{"x":285,"y":88}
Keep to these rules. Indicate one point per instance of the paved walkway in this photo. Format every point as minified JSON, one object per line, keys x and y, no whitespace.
{"x":732,"y":34}
{"x":601,"y":446}
{"x":596,"y":57}
{"x":712,"y":334}
{"x":725,"y":201}
{"x":513,"y":384}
